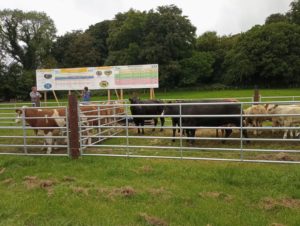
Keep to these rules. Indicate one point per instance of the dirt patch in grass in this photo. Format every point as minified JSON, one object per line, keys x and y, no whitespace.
{"x":33,"y":182}
{"x":81,"y":190}
{"x":277,"y":224}
{"x":111,"y":193}
{"x":152,"y":220}
{"x":2,"y":170}
{"x":68,"y":179}
{"x":7,"y":181}
{"x":157,"y":191}
{"x":278,"y":157}
{"x":216,"y":195}
{"x":126,"y":191}
{"x":270,"y":203}
{"x":144,"y":169}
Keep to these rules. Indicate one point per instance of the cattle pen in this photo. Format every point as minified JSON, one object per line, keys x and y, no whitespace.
{"x":106,"y":129}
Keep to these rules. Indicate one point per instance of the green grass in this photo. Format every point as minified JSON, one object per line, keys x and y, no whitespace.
{"x":122,"y":191}
{"x":177,"y":192}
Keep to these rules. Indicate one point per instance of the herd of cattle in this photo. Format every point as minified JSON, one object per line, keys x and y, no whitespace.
{"x":191,"y":114}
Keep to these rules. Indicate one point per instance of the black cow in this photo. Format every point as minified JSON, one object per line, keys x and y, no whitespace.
{"x":209,"y":109}
{"x":146,"y":110}
{"x":175,"y":110}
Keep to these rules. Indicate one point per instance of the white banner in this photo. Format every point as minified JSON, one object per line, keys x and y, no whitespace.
{"x":110,"y":77}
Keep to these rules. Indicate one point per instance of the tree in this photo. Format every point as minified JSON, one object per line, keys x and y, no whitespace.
{"x":76,"y":49}
{"x":266,"y":55}
{"x":294,"y":13}
{"x":197,"y":69}
{"x":99,"y":32}
{"x":162,"y":36}
{"x":26,"y":37}
{"x":275,"y":18}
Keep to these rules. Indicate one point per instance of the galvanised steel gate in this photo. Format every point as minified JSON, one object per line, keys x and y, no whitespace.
{"x":107,"y":129}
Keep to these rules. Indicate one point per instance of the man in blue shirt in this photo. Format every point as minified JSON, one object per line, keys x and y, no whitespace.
{"x":86,"y":95}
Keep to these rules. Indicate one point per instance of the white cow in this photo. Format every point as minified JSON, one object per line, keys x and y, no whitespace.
{"x":255,"y":121}
{"x":285,"y":121}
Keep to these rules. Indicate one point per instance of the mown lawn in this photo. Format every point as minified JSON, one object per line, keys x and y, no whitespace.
{"x":118,"y":191}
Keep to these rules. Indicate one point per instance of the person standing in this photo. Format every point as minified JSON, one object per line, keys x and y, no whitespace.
{"x":86,"y":95}
{"x":35,"y":97}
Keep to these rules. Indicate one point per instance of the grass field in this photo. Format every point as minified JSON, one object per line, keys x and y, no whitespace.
{"x":117,"y":191}
{"x":121,"y":191}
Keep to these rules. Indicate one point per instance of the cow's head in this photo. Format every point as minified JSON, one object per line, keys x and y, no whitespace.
{"x":271,"y":108}
{"x":19,"y":115}
{"x":134,"y":100}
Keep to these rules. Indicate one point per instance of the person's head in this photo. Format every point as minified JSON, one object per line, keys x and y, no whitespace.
{"x":86,"y":89}
{"x":33,"y":89}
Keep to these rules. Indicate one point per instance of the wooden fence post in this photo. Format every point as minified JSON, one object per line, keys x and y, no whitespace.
{"x":256,"y":96}
{"x":73,"y":126}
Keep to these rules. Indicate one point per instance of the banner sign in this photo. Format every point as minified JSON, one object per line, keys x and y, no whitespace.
{"x":110,"y":77}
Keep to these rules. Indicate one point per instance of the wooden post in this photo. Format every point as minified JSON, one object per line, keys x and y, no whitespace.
{"x":152,"y":95}
{"x":121,"y":94}
{"x":108,"y":95}
{"x":256,"y":96}
{"x":54,"y":94}
{"x":117,"y":94}
{"x":73,"y":126}
{"x":45,"y":98}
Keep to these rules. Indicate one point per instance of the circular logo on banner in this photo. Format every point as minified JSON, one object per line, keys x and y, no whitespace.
{"x":47,"y":76}
{"x":98,"y":73}
{"x":104,"y":84}
{"x":47,"y":86}
{"x":108,"y":73}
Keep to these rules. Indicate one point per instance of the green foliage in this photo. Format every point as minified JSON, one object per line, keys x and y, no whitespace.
{"x":198,"y":69}
{"x":99,"y":32}
{"x":26,"y":37}
{"x":161,"y":36}
{"x":76,"y":49}
{"x":294,"y":13}
{"x":266,"y":55}
{"x":275,"y":18}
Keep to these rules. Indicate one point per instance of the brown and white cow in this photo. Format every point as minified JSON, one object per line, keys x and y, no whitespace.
{"x":93,"y":115}
{"x":42,"y":117}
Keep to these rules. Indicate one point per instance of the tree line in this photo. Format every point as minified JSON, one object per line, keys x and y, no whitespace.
{"x":267,"y":55}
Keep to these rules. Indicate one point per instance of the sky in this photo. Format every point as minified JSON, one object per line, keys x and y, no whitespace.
{"x":224,"y":16}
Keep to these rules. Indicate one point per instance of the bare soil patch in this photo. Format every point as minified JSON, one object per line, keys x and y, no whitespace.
{"x":152,"y":220}
{"x":216,"y":195}
{"x":2,"y":170}
{"x":270,"y":203}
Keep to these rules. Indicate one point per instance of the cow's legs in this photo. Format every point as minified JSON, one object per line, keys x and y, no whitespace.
{"x":142,"y":124}
{"x":174,"y":129}
{"x":228,"y":132}
{"x":192,"y":133}
{"x":49,"y":141}
{"x":254,"y":125}
{"x":162,"y":123}
{"x":155,"y":123}
{"x":245,"y":135}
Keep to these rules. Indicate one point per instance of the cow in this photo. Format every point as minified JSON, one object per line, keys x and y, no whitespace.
{"x":255,"y":121}
{"x":146,"y":110}
{"x":42,"y":117}
{"x":207,"y":109}
{"x":175,"y":110}
{"x":94,"y":115}
{"x":286,"y":121}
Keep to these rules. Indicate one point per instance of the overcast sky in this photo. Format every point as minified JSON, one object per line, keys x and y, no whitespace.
{"x":224,"y":16}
